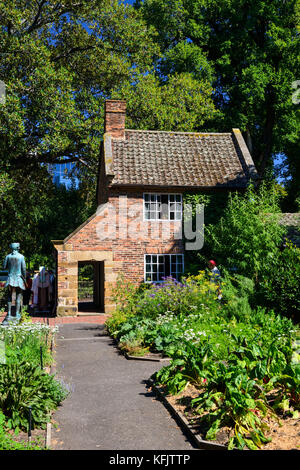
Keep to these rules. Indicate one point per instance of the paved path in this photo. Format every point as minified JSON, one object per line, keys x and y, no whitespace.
{"x":109,"y":407}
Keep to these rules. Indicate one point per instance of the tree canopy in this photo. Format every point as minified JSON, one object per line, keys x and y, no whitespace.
{"x":250,"y":53}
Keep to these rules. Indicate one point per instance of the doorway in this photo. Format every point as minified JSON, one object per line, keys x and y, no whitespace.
{"x":91,"y":286}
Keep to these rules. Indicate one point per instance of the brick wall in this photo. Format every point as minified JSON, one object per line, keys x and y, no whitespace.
{"x":118,"y":240}
{"x":127,"y":249}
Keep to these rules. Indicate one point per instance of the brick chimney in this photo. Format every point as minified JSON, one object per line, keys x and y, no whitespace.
{"x":115,"y":113}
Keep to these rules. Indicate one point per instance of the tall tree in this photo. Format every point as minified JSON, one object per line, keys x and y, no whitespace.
{"x":59,"y":60}
{"x":250,"y":50}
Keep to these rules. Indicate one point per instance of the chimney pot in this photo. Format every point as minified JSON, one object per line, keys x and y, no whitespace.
{"x":115,"y":113}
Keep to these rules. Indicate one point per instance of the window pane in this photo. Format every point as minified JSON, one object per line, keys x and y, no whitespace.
{"x":167,"y":265}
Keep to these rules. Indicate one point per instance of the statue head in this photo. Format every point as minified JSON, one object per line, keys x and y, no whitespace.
{"x":15,"y":246}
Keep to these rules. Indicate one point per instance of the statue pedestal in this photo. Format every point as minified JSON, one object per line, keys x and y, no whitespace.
{"x":12,"y":318}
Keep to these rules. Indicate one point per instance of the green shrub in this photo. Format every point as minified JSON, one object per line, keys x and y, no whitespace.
{"x":279,"y":288}
{"x":231,"y":398}
{"x":23,"y":385}
{"x":188,"y":365}
{"x":237,"y":293}
{"x":7,"y":442}
{"x":247,"y":237}
{"x":23,"y":342}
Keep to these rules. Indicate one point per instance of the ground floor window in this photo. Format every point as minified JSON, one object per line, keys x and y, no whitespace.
{"x":159,"y":266}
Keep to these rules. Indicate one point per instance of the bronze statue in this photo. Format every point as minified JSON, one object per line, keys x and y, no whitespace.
{"x":15,"y":264}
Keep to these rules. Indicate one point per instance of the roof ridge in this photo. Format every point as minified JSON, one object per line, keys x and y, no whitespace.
{"x":177,"y":132}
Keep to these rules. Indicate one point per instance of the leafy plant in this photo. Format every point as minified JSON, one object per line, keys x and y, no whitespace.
{"x":287,"y":398}
{"x":187,"y":366}
{"x":247,"y":237}
{"x":231,"y":398}
{"x":279,"y":288}
{"x":24,"y":385}
{"x":24,"y":341}
{"x":7,"y":441}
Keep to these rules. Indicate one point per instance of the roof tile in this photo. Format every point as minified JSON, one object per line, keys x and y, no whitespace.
{"x":161,"y":158}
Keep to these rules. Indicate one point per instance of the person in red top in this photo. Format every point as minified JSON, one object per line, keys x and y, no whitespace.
{"x":215,"y":276}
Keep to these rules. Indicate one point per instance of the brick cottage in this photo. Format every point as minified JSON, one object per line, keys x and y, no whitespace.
{"x":137,"y":228}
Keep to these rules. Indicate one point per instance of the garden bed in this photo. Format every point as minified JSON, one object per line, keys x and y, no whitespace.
{"x":285,"y":436}
{"x":235,"y":356}
{"x":38,"y":438}
{"x":28,"y":364}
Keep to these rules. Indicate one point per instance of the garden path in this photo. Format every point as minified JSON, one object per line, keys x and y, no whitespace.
{"x":109,"y":406}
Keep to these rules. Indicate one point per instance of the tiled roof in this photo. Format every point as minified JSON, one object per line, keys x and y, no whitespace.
{"x":291,"y":219}
{"x":292,"y":222}
{"x":182,"y":159}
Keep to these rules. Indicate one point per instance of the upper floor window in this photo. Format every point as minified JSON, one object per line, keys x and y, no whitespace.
{"x":162,"y":206}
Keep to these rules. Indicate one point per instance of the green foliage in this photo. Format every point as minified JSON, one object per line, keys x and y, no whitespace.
{"x":26,"y":340}
{"x":249,"y":53}
{"x":23,"y":385}
{"x":60,"y":60}
{"x":234,"y":388}
{"x":125,"y":296}
{"x":279,"y":288}
{"x":189,"y":363}
{"x":239,"y":358}
{"x":287,"y":398}
{"x":248,"y":236}
{"x":214,"y":205}
{"x":245,"y":237}
{"x":237,"y":293}
{"x":178,"y":104}
{"x":231,"y":398}
{"x":7,"y":441}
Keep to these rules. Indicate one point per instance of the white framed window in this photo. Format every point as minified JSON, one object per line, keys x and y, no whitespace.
{"x":162,"y":206}
{"x":158,"y":267}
